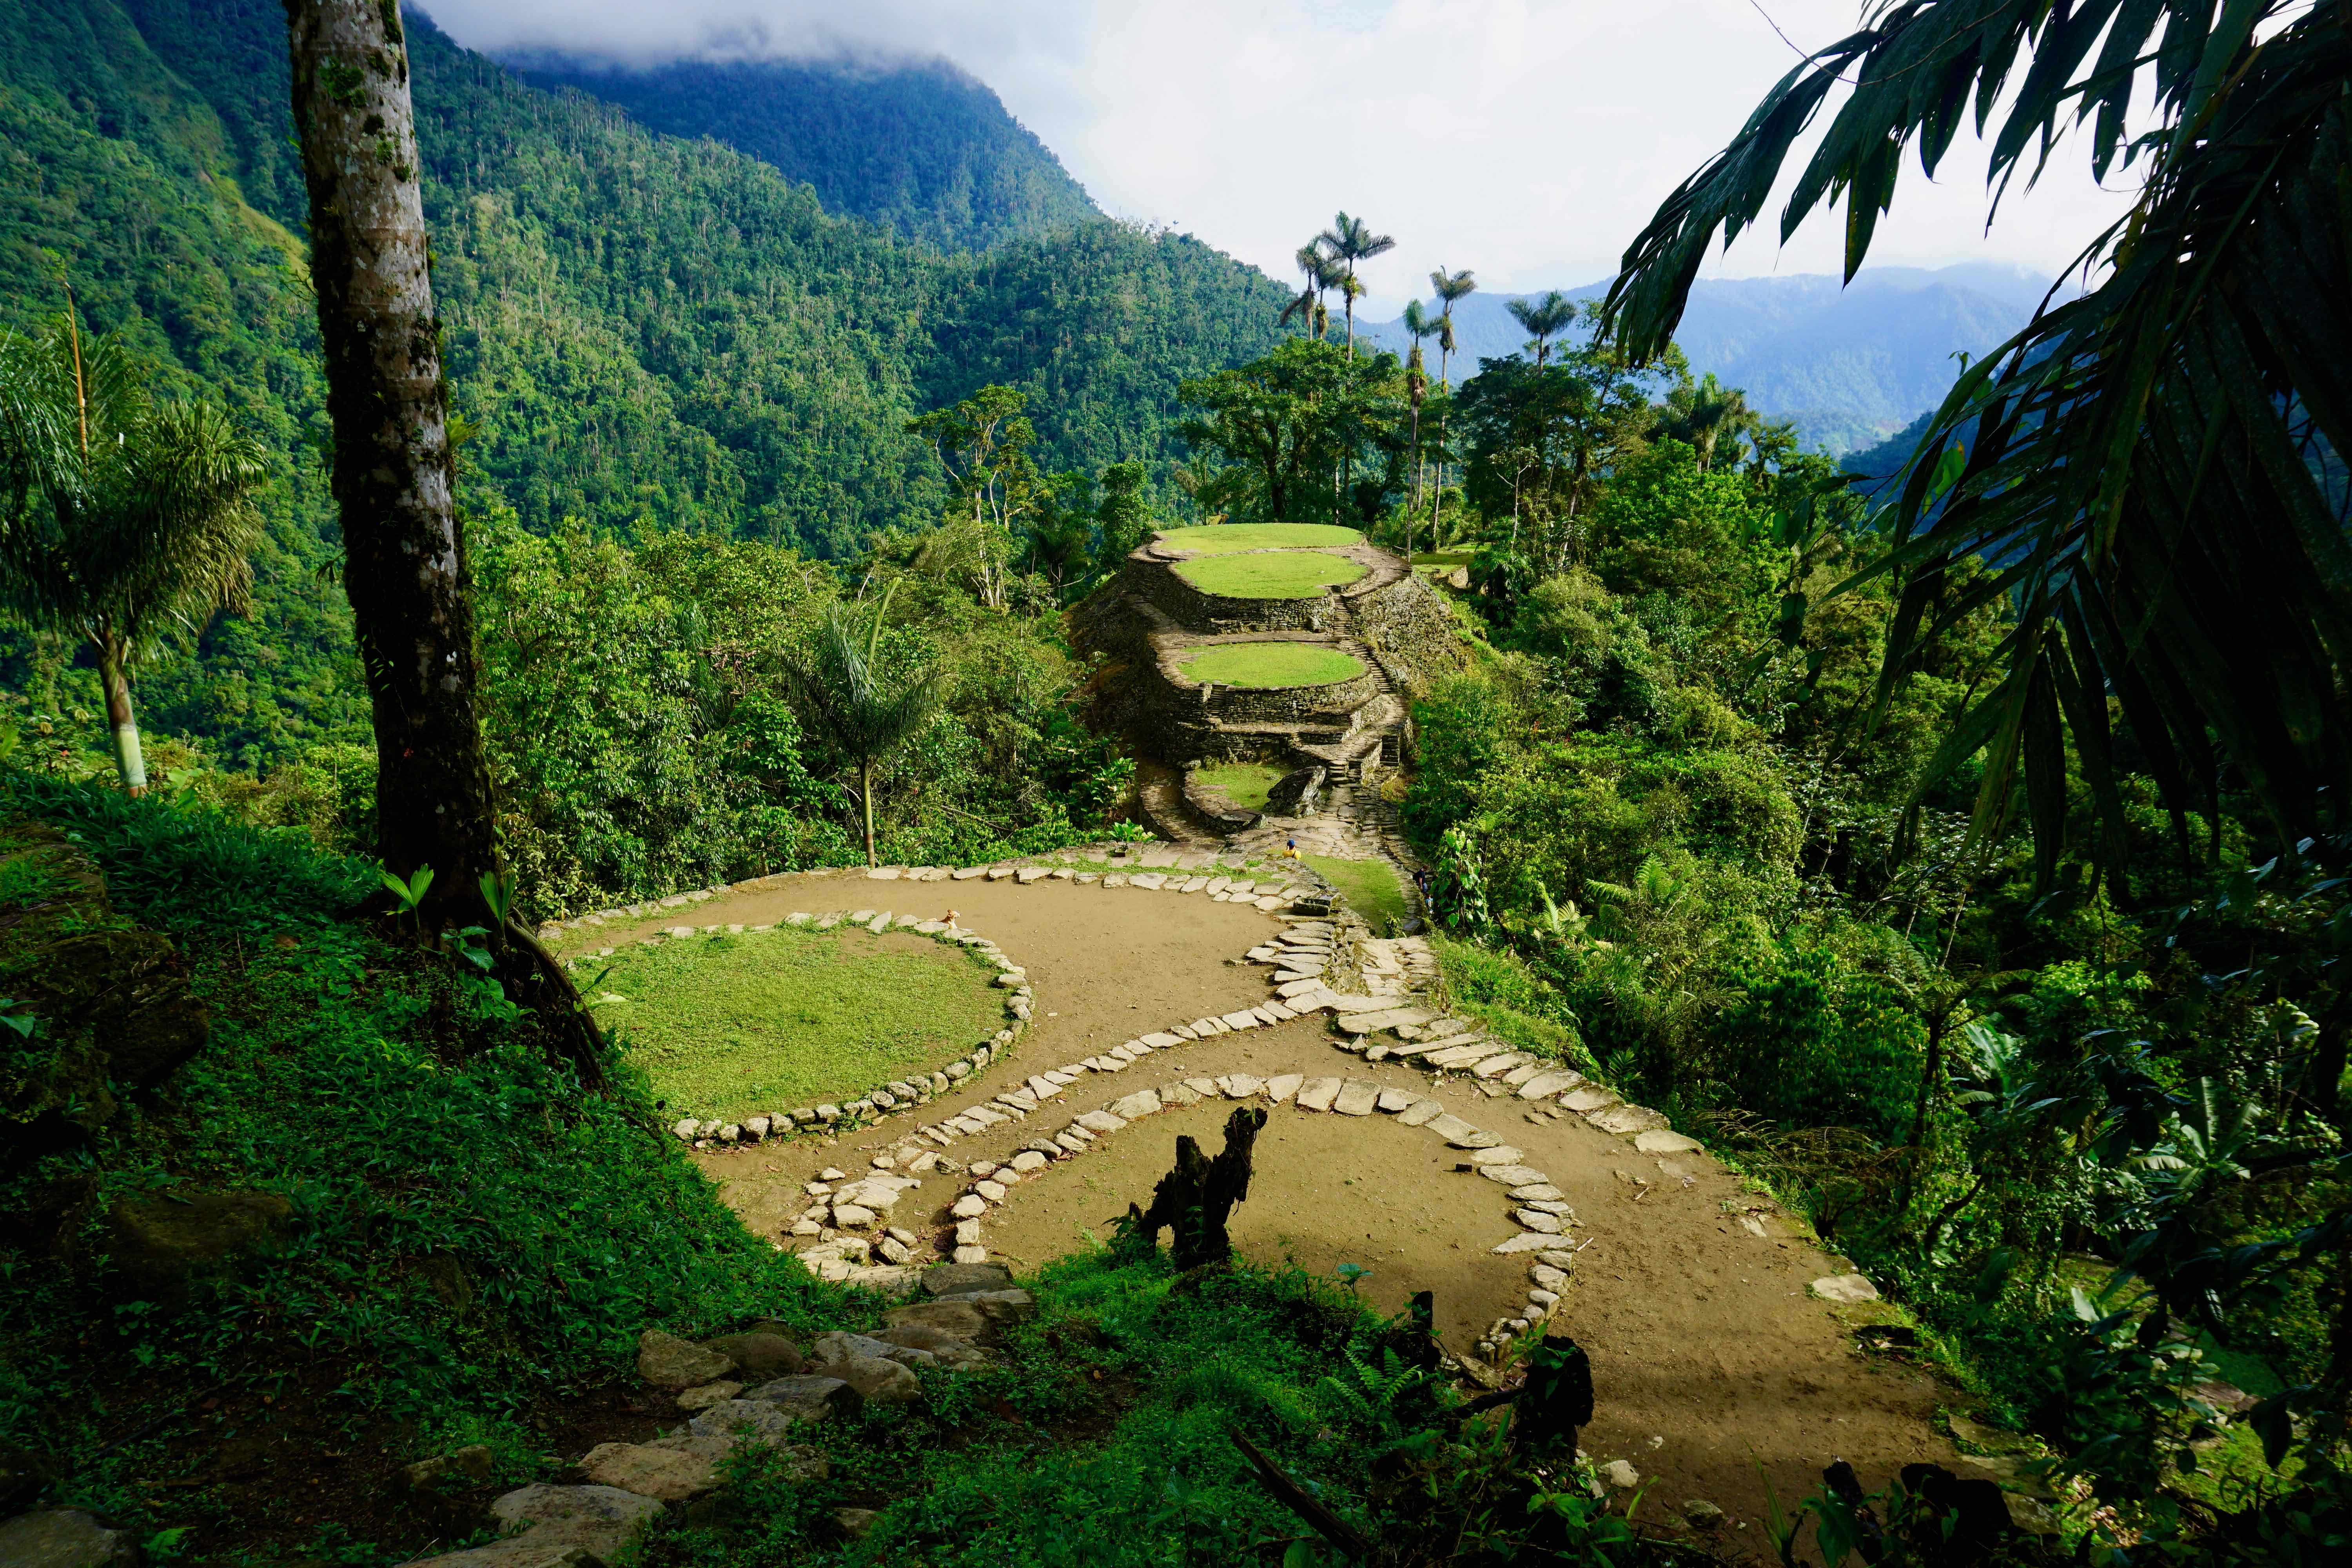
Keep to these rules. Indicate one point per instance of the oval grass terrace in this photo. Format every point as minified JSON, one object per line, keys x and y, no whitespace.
{"x":1271,"y":574}
{"x":730,"y":1025}
{"x":1225,"y":537}
{"x":1265,"y":665}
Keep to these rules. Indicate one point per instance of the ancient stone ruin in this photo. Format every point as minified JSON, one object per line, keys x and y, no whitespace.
{"x":1157,"y":627}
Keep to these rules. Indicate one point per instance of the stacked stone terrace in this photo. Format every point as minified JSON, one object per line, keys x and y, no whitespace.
{"x":1150,"y":621}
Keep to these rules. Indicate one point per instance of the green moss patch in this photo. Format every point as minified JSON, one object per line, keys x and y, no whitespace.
{"x":1225,"y":537}
{"x":1265,"y":664}
{"x":1244,"y":783}
{"x":1270,"y":575}
{"x":729,"y":1026}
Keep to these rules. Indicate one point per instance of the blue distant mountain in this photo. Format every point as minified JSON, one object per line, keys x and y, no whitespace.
{"x":1849,"y":365}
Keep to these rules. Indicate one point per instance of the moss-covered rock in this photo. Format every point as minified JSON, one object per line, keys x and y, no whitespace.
{"x":96,"y":1007}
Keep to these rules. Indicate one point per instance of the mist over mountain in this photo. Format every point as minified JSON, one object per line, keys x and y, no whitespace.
{"x":919,"y":147}
{"x":1849,"y":365}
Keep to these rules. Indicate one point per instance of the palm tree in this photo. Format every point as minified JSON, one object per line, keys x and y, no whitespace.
{"x":1418,"y":324}
{"x":1451,"y":288}
{"x":1347,"y":241}
{"x":1704,"y":411}
{"x":841,"y":690}
{"x":1543,"y":319}
{"x":1317,"y":270}
{"x":120,"y":518}
{"x":2157,"y":464}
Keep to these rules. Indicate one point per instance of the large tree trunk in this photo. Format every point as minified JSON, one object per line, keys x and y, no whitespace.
{"x":404,"y":554}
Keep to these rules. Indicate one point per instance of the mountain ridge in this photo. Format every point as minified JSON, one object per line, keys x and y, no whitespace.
{"x":922,"y":148}
{"x":1852,"y":364}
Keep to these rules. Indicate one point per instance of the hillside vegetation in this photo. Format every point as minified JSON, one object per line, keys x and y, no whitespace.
{"x":921,"y":149}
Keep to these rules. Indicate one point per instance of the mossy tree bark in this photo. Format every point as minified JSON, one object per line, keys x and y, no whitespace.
{"x":403,"y":552}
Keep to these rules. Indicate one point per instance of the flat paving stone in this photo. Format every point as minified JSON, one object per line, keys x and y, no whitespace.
{"x":1420,"y":1112}
{"x":1395,"y":1100}
{"x":1372,"y":1021}
{"x":1657,"y":1142}
{"x":1513,"y":1176}
{"x":1459,"y":1056}
{"x":1282,"y":1086}
{"x":1317,"y":1093}
{"x":1501,"y":1155}
{"x":1537,"y":1219}
{"x":1495,"y":1066}
{"x":1134,"y":1106}
{"x":1527,"y":1241}
{"x":1627,"y":1120}
{"x":1453,"y":1129}
{"x":1591,"y":1097}
{"x":1356,"y":1098}
{"x":1101,"y":1121}
{"x":1544,"y":1085}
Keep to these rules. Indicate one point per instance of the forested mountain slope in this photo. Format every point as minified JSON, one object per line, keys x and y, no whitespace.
{"x":645,"y":333}
{"x":921,"y":147}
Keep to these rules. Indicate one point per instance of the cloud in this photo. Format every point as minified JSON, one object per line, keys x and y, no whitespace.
{"x":1529,"y":139}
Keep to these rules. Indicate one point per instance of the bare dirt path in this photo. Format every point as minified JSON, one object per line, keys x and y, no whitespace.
{"x":1708,"y":1351}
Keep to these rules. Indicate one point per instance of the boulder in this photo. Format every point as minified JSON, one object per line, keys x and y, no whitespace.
{"x":64,"y":1538}
{"x":598,"y":1519}
{"x":800,"y":1462}
{"x":1845,"y":1287}
{"x":1620,"y":1475}
{"x":667,"y":1362}
{"x":666,"y":1474}
{"x":758,"y":1355}
{"x":468,"y":1466}
{"x":962,"y":1278}
{"x":807,"y":1396}
{"x":159,"y":1243}
{"x":706,"y":1396}
{"x":947,"y":1349}
{"x":831,"y":1349}
{"x":879,"y":1382}
{"x":959,"y":1316}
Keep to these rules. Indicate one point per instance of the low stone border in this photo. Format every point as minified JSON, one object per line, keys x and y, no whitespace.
{"x":1293,"y":887}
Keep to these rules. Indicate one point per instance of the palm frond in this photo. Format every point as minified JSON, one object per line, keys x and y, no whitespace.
{"x":2155,"y":469}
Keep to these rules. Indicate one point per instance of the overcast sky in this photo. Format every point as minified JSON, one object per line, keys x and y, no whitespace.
{"x":1528,"y":140}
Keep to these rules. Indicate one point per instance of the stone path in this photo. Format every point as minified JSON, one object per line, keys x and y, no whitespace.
{"x":1523,"y":1194}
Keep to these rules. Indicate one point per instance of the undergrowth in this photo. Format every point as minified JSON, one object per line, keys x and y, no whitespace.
{"x":470,"y":1235}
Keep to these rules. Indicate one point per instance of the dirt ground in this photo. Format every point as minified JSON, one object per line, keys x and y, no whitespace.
{"x":1707,"y":1348}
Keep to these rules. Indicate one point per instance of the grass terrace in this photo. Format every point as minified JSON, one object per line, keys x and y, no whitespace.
{"x":1245,"y":783}
{"x":1370,"y":885}
{"x":729,"y":1026}
{"x":1270,"y":573}
{"x":1271,"y":664}
{"x":1224,"y":539}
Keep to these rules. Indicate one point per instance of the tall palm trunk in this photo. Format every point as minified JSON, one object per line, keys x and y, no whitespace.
{"x":114,"y":679}
{"x":403,"y":554}
{"x":865,"y":799}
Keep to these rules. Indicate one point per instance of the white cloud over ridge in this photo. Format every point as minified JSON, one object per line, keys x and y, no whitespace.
{"x":1528,"y":140}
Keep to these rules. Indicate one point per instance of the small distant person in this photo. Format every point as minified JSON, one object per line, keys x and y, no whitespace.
{"x":1290,"y":851}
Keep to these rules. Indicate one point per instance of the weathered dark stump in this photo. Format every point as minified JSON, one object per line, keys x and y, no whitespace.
{"x":1195,"y":1201}
{"x":1556,"y":1400}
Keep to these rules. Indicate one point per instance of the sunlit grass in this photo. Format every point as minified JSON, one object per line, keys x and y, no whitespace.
{"x":1267,"y":664}
{"x":1370,"y":888}
{"x":1225,"y":537}
{"x":729,"y":1026}
{"x":1269,"y":575}
{"x":1244,"y":783}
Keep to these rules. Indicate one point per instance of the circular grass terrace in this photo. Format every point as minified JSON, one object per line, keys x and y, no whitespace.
{"x":1271,"y":574}
{"x":1263,"y":665}
{"x":1224,"y":538}
{"x":733,"y":1026}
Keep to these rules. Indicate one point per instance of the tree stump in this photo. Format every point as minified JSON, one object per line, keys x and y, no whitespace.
{"x":1195,"y":1201}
